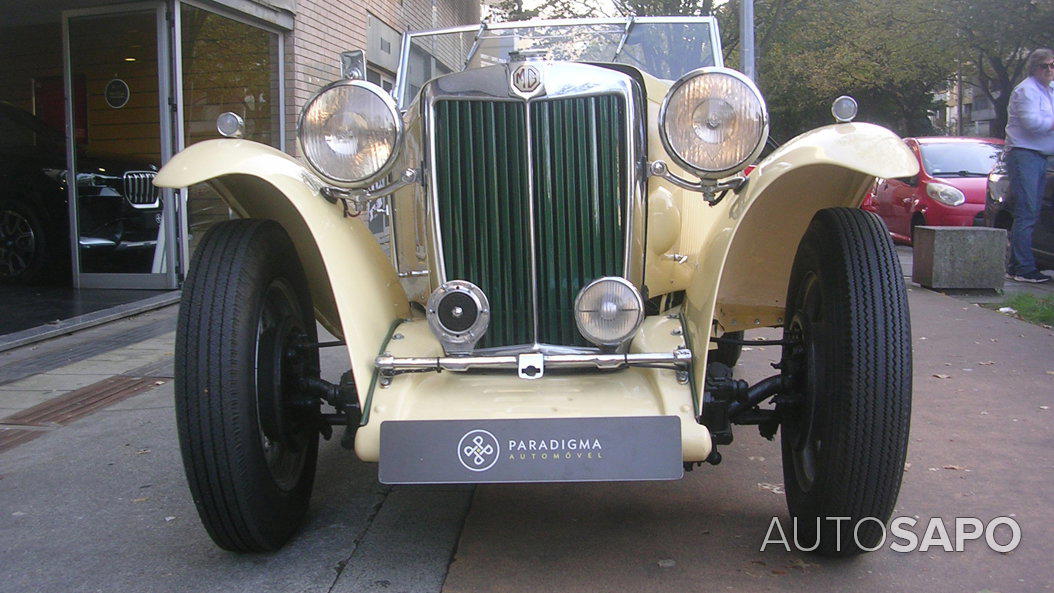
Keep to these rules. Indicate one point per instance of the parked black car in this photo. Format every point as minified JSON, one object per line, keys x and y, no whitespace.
{"x":998,"y":211}
{"x":119,"y":207}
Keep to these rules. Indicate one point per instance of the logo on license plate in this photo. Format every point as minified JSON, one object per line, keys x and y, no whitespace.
{"x":478,"y":450}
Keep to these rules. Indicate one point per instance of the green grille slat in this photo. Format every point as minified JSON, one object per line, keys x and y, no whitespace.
{"x":577,"y":147}
{"x":484,"y":209}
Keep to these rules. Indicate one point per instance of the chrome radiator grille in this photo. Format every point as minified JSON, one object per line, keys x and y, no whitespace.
{"x":554,"y":165}
{"x":139,"y":189}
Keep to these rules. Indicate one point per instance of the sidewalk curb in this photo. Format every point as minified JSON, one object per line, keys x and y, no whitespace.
{"x":74,"y":324}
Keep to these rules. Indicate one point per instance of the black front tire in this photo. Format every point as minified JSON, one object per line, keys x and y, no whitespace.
{"x":844,"y":435}
{"x":249,"y":445}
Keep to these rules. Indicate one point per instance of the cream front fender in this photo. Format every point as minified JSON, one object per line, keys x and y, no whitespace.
{"x":744,"y":266}
{"x":356,"y":291}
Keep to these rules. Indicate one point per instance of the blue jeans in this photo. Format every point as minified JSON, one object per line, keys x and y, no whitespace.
{"x":1027,"y":171}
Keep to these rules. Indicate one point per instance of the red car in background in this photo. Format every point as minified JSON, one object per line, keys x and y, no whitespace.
{"x":948,"y":191}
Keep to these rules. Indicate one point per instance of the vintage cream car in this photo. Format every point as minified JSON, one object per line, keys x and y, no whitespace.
{"x":572,"y":259}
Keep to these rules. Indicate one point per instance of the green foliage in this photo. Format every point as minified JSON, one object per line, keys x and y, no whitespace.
{"x":993,"y":39}
{"x":887,"y":55}
{"x":512,"y":10}
{"x":892,"y":56}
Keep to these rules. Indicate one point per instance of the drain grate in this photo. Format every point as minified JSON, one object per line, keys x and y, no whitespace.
{"x":28,"y":424}
{"x":13,"y":437}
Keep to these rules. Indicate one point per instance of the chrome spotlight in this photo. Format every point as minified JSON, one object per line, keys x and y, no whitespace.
{"x":458,"y":314}
{"x":608,"y":311}
{"x":844,"y":109}
{"x":230,"y":125}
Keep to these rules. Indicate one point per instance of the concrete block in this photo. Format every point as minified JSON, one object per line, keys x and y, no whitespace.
{"x":959,"y":257}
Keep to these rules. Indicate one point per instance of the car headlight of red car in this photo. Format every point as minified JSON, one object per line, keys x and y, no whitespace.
{"x":945,"y":194}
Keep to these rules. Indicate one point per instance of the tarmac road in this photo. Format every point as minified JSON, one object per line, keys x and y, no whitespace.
{"x":102,"y":505}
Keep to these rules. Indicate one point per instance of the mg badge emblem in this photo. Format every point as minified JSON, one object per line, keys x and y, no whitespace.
{"x":478,"y":450}
{"x":526,"y":79}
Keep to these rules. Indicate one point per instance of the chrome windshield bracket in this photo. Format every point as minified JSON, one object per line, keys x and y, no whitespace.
{"x":625,"y":35}
{"x":713,"y":191}
{"x":475,"y":45}
{"x":357,"y":201}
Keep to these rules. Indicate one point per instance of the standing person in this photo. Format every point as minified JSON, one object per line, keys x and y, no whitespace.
{"x":1030,"y":136}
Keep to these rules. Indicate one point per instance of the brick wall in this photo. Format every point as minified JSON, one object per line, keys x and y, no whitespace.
{"x":324,"y":28}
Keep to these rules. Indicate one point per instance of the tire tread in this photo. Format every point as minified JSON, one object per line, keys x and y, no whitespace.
{"x":211,"y":374}
{"x":863,"y":459}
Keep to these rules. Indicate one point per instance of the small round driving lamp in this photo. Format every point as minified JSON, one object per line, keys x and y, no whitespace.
{"x":230,"y":125}
{"x":713,"y":122}
{"x":350,"y":133}
{"x":608,"y":311}
{"x":844,"y":109}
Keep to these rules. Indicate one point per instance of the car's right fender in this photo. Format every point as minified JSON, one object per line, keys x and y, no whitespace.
{"x":354,"y":287}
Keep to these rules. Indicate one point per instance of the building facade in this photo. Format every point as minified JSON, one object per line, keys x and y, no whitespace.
{"x":95,"y":96}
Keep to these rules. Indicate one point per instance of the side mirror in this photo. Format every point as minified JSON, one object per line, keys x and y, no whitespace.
{"x":353,"y":64}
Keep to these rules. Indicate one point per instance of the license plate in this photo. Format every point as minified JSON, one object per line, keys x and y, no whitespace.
{"x":531,"y":450}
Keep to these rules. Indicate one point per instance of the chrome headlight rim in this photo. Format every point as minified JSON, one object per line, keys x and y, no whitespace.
{"x":400,"y":133}
{"x":639,"y":300}
{"x":706,"y":173}
{"x":452,"y":340}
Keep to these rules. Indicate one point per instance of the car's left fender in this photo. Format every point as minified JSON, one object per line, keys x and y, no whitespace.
{"x":743,"y":268}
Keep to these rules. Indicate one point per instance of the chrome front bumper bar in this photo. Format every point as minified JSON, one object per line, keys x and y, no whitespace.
{"x":532,"y":365}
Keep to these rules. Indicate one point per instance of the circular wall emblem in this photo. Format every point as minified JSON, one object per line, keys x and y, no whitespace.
{"x":117,"y":93}
{"x":526,"y":78}
{"x":478,"y":450}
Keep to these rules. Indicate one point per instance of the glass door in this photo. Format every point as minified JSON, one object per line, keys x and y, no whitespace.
{"x":123,"y":228}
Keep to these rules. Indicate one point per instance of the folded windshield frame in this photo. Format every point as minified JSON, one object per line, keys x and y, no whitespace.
{"x":402,"y":79}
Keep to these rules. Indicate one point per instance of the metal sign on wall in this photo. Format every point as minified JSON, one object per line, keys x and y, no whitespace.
{"x":117,"y":93}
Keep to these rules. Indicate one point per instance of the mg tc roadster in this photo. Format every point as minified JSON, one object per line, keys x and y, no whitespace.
{"x":573,"y":256}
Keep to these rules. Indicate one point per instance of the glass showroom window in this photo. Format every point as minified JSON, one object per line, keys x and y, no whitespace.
{"x":227,"y":66}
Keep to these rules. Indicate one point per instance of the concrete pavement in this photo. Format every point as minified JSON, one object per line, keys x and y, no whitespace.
{"x":980,"y":446}
{"x":102,"y":505}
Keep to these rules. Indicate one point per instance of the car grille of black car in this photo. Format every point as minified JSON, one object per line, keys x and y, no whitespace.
{"x":577,"y":147}
{"x":138,"y":187}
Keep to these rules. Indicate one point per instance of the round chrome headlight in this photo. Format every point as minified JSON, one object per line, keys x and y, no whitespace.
{"x":713,"y":122}
{"x":350,"y":132}
{"x":608,"y":311}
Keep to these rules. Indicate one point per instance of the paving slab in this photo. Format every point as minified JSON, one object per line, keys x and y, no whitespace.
{"x":96,"y":342}
{"x":414,"y":532}
{"x":980,"y":447}
{"x":102,"y":505}
{"x":58,"y":382}
{"x":20,"y":399}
